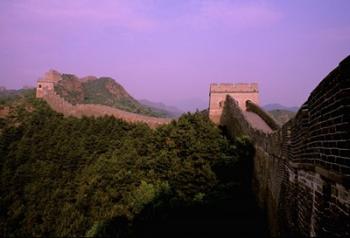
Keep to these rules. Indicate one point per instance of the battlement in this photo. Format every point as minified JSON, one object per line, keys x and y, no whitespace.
{"x":47,"y":83}
{"x":301,"y":172}
{"x":51,"y":76}
{"x":241,"y":92}
{"x":60,"y":105}
{"x":234,"y":88}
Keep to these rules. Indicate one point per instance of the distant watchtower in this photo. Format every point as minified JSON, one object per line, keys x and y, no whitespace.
{"x":241,"y":92}
{"x":47,"y":83}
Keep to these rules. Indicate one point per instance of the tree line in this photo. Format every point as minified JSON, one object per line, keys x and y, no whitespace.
{"x":64,"y":176}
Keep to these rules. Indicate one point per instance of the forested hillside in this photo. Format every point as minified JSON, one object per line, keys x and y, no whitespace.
{"x":10,"y":96}
{"x":104,"y":91}
{"x":282,"y":116}
{"x":104,"y":177}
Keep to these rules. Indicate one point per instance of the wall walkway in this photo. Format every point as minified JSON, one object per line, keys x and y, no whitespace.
{"x":59,"y":104}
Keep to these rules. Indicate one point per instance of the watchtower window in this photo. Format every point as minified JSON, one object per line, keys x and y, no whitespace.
{"x":39,"y":86}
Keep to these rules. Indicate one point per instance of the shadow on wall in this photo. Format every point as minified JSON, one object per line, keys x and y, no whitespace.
{"x":302,"y":171}
{"x":252,"y":107}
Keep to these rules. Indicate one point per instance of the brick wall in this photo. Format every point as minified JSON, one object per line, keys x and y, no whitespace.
{"x":58,"y":104}
{"x":302,"y":171}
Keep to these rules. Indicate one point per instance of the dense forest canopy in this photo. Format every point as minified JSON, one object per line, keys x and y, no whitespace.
{"x":74,"y":177}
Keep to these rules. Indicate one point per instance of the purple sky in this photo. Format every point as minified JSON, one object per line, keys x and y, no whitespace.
{"x":171,"y":50}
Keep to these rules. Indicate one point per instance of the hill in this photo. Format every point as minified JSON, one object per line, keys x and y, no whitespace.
{"x":104,"y":91}
{"x":281,"y":113}
{"x":8,"y":96}
{"x":276,"y":106}
{"x":102,"y":177}
{"x":173,"y":112}
{"x":282,"y":116}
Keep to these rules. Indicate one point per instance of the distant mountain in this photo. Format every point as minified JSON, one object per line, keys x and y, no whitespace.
{"x":192,"y":104}
{"x":9,"y":95}
{"x":282,"y":116}
{"x":276,"y":106}
{"x":171,"y":111}
{"x":105,"y":91}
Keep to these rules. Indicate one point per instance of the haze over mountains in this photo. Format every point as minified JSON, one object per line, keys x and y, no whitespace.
{"x":106,"y":91}
{"x":277,"y":106}
{"x":170,"y":110}
{"x":281,"y":113}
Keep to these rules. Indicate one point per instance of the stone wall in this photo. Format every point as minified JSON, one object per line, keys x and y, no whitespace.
{"x":47,"y":83}
{"x":270,"y":121}
{"x":42,"y":87}
{"x":58,"y":104}
{"x":302,"y":171}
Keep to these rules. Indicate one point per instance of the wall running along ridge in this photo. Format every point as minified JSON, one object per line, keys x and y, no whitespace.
{"x":302,"y":171}
{"x":59,"y":104}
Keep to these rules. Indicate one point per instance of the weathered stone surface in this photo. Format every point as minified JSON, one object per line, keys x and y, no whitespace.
{"x":301,"y":172}
{"x":257,"y":122}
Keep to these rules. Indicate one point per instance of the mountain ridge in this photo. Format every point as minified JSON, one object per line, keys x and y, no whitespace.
{"x":277,"y":106}
{"x":159,"y":106}
{"x":103,"y":91}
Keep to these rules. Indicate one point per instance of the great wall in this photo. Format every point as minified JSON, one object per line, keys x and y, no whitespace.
{"x":301,"y":172}
{"x":46,"y":90}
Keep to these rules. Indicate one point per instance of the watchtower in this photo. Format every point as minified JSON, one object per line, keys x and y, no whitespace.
{"x":241,"y":92}
{"x":47,"y":83}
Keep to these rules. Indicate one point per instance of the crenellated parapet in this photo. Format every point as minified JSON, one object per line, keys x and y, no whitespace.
{"x":47,"y":83}
{"x":302,"y":170}
{"x":93,"y":110}
{"x":241,"y":92}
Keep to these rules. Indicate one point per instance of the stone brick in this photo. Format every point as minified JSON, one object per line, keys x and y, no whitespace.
{"x":309,"y":196}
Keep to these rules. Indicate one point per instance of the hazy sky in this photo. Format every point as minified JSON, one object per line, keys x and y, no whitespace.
{"x":171,"y":50}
